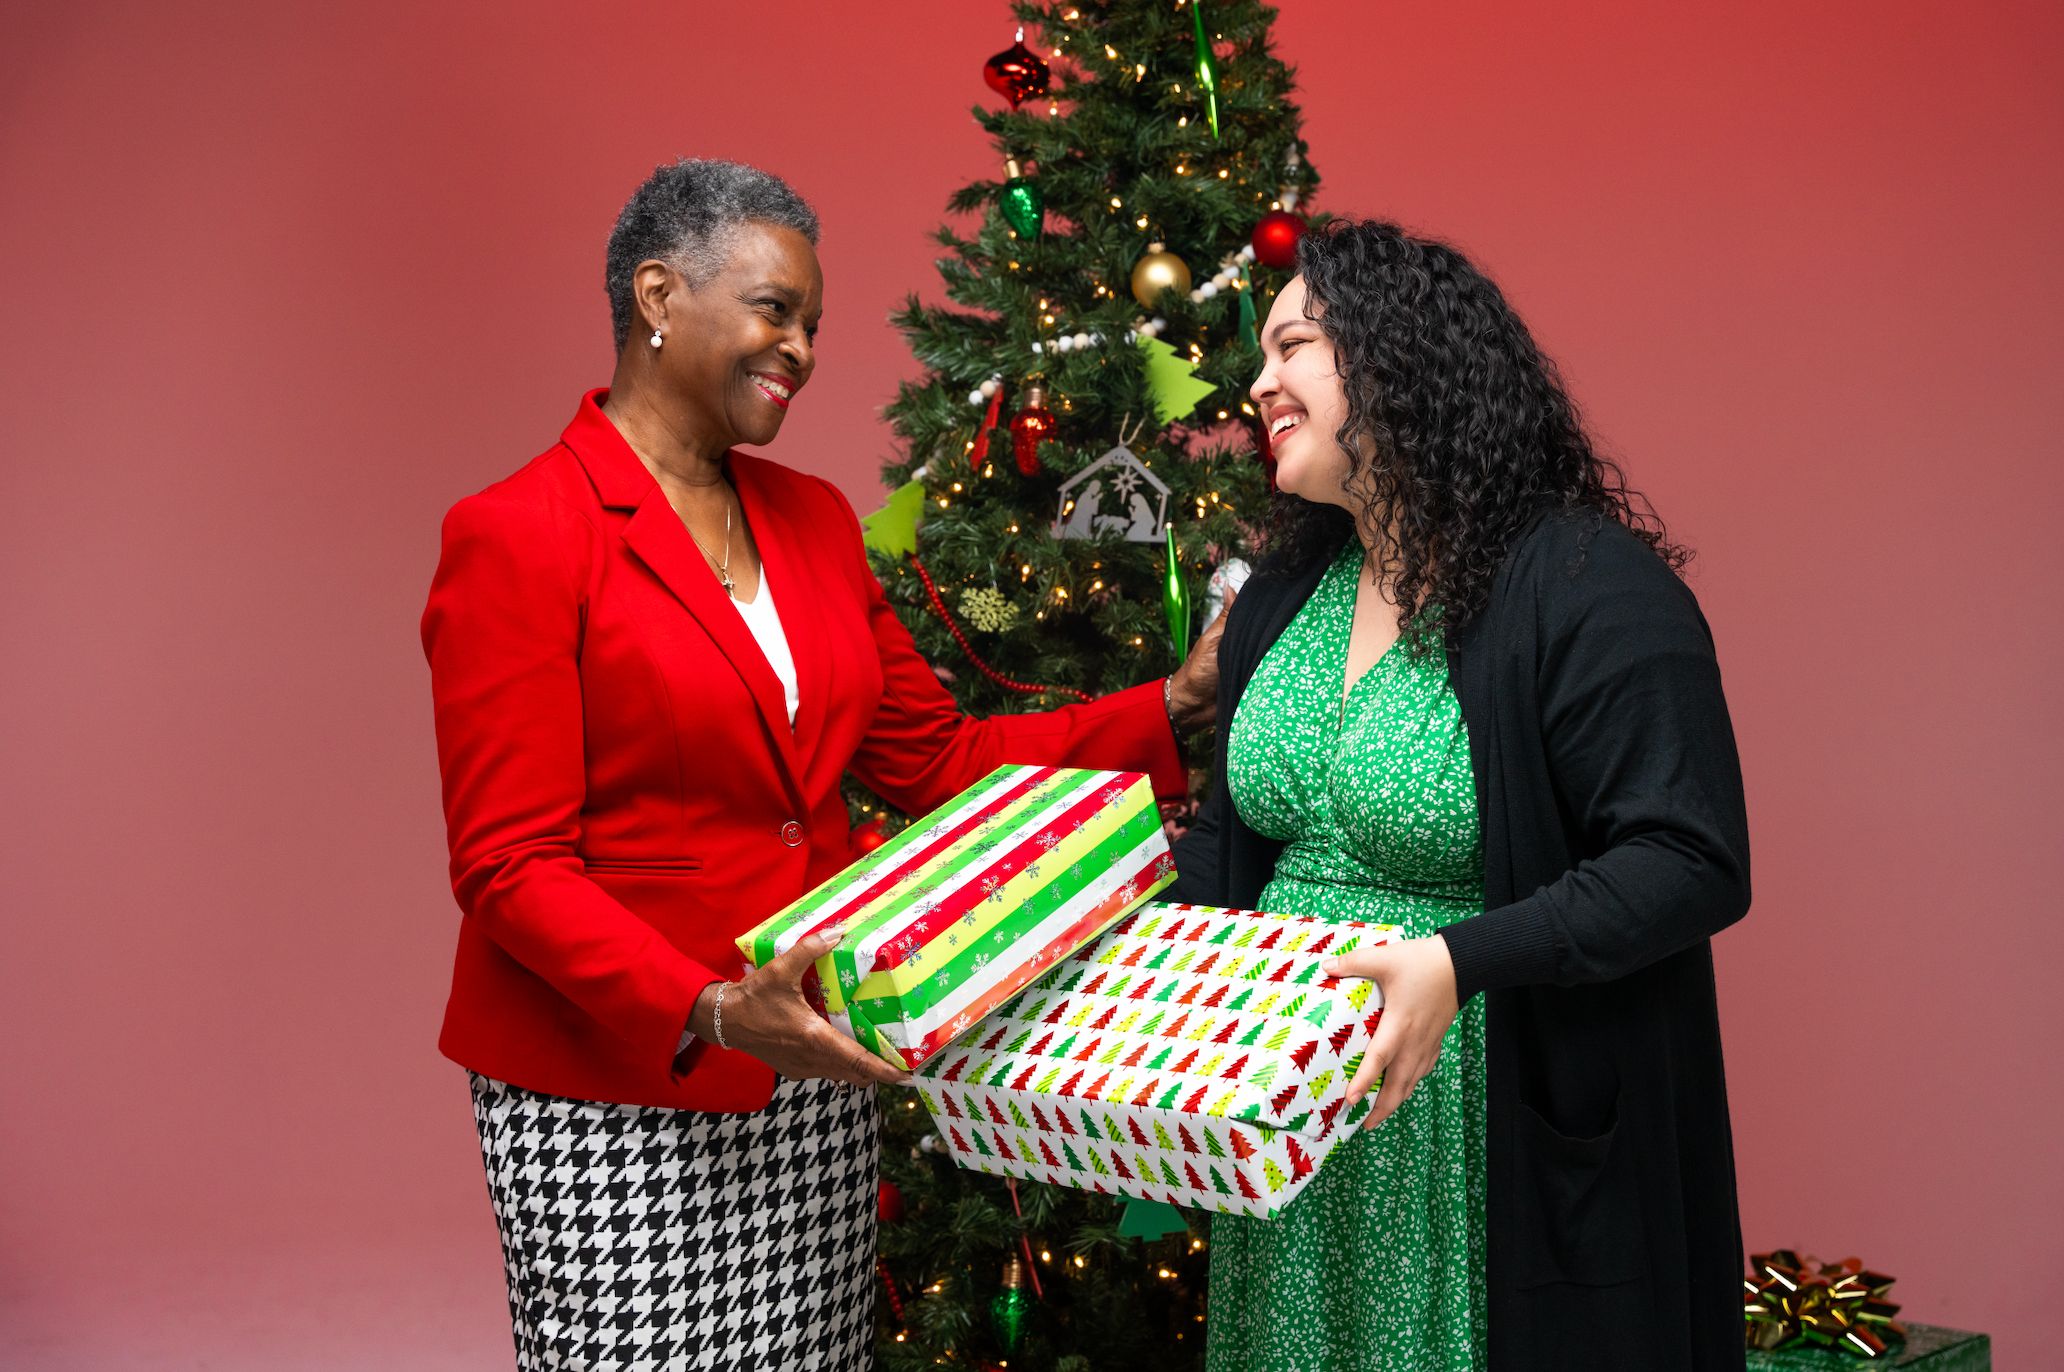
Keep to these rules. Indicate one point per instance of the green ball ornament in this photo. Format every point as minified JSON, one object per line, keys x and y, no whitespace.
{"x":1022,"y":203}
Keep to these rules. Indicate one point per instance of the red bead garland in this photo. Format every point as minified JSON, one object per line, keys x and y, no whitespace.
{"x":1007,"y":683}
{"x":881,"y":1269}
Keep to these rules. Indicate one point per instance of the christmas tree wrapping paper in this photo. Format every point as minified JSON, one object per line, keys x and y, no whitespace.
{"x":965,"y":907}
{"x":1190,"y":1055}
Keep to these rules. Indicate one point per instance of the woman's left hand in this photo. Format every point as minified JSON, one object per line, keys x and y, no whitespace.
{"x":1417,"y":978}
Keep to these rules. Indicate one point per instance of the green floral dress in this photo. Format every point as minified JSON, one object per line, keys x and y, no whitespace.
{"x":1379,"y":1262}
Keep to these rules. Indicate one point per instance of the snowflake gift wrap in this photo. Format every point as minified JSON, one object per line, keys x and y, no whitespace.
{"x":967,"y":906}
{"x":1190,"y":1055}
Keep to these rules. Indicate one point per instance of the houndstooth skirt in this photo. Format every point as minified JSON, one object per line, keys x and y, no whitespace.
{"x":638,"y":1239}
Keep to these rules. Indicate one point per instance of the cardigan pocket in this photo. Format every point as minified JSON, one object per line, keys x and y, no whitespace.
{"x":1579,"y":1215}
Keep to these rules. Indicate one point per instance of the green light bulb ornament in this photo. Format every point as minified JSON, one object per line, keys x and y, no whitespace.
{"x":1010,"y":1310}
{"x":1022,"y":203}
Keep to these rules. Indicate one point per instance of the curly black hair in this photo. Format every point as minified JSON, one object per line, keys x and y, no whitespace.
{"x":1458,"y":434}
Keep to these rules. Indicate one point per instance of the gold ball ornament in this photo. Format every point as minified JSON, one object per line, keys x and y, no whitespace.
{"x":1160,"y":270}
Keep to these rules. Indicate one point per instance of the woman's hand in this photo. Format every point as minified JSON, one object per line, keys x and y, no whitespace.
{"x":1193,"y":690}
{"x":767,"y":1016}
{"x":1417,"y":978}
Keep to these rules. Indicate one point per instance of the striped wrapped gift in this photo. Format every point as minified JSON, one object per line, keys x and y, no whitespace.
{"x":969,"y":905}
{"x":1189,"y":1055}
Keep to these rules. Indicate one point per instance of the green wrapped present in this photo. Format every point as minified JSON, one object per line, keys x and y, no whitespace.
{"x":966,"y":907}
{"x":1802,"y":1313}
{"x":1928,"y":1348}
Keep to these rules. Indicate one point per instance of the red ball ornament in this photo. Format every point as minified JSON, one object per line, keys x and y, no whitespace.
{"x":1029,"y":427}
{"x":1275,"y":238}
{"x":867,"y":838}
{"x":890,"y":1205}
{"x":1016,"y":73}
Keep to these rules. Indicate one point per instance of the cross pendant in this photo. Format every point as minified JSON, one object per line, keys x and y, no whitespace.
{"x":725,"y":577}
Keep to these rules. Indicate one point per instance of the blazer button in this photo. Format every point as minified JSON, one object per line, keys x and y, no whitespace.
{"x":792,"y":833}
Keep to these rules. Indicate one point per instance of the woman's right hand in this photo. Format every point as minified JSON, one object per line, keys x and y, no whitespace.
{"x":767,"y":1016}
{"x":1193,"y":688}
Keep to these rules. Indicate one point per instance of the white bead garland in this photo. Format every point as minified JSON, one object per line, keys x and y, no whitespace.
{"x":1231,"y":272}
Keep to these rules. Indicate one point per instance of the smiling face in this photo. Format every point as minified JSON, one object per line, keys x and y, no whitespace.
{"x":1302,"y":402}
{"x":737,"y":348}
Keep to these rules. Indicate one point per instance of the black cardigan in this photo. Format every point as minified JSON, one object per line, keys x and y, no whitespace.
{"x":1615,"y":845}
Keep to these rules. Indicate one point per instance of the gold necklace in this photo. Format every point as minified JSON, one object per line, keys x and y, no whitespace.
{"x":723,"y":566}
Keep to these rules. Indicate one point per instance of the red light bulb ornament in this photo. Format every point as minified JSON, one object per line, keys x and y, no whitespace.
{"x":1275,"y":239}
{"x":1016,"y":73}
{"x":1030,"y":427}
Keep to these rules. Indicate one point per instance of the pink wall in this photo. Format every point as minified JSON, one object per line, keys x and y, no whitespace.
{"x":282,"y":281}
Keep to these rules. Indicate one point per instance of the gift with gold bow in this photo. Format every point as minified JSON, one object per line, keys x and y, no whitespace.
{"x":1790,"y":1299}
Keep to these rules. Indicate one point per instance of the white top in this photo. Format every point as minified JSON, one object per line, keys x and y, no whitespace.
{"x":761,"y":617}
{"x":765,"y":622}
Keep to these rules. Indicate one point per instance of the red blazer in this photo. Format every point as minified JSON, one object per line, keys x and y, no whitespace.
{"x":622,"y":791}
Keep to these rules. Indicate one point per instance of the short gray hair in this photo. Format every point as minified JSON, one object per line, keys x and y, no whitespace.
{"x":685,"y":215}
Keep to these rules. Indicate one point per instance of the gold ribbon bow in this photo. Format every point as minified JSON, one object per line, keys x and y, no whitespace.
{"x":1788,"y":1299}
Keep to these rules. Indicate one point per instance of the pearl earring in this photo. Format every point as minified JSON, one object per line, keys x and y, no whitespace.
{"x":655,"y":338}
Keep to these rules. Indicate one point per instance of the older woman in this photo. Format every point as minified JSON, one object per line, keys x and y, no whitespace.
{"x":1466,"y":694}
{"x":652,"y":658}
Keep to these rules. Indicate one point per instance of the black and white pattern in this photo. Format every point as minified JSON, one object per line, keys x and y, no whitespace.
{"x":639,"y":1239}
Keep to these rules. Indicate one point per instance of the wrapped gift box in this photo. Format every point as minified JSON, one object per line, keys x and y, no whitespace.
{"x":1189,"y":1055}
{"x":1928,"y":1348}
{"x":970,"y":904}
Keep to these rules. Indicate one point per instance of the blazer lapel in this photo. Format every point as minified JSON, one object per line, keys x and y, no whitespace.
{"x":661,"y":541}
{"x":785,"y":558}
{"x":658,"y":538}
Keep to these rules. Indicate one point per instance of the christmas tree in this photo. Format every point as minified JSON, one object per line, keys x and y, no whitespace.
{"x":1077,"y":461}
